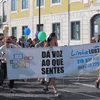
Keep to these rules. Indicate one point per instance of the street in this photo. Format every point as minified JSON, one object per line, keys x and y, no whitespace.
{"x":76,"y":87}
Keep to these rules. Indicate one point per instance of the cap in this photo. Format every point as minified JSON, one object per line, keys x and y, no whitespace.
{"x":93,"y":38}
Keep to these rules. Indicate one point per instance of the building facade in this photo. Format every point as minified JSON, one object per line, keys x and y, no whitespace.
{"x":74,"y":21}
{"x":3,"y":15}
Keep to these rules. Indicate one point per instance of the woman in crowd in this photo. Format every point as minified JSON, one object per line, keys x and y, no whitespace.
{"x":21,"y":42}
{"x":39,"y":45}
{"x":51,"y":43}
{"x":35,"y":41}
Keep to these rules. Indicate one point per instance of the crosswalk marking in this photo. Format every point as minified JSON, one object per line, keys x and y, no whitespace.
{"x":89,"y":85}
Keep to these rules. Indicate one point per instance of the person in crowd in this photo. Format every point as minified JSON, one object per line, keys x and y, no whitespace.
{"x":23,"y":38}
{"x":39,"y":45}
{"x":21,"y":42}
{"x":26,"y":44}
{"x":14,"y":41}
{"x":35,"y":41}
{"x":1,"y":39}
{"x":4,"y":65}
{"x":1,"y":74}
{"x":1,"y":54}
{"x":32,"y":45}
{"x":29,"y":41}
{"x":51,"y":43}
{"x":93,"y":40}
{"x":98,"y":38}
{"x":97,"y":81}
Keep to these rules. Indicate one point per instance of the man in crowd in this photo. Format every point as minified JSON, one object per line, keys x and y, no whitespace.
{"x":8,"y":44}
{"x":93,"y":40}
{"x":14,"y":41}
{"x":97,"y":81}
{"x":26,"y":44}
{"x":98,"y":38}
{"x":1,"y":39}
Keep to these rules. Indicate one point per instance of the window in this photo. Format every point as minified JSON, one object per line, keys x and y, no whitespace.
{"x":41,"y":27}
{"x":97,"y":1}
{"x":24,"y":4}
{"x":73,"y":1}
{"x":23,"y":28}
{"x":95,"y":26}
{"x":56,"y":29}
{"x":41,"y":1}
{"x":86,"y":3}
{"x":14,"y":31}
{"x":13,"y":5}
{"x":55,"y":1}
{"x":75,"y":30}
{"x":4,"y":11}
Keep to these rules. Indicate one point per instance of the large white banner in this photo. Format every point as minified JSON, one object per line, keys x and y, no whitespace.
{"x":52,"y":62}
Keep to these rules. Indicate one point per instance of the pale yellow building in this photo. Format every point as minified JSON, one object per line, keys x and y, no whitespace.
{"x":74,"y":21}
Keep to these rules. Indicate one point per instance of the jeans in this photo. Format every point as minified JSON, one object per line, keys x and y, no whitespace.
{"x":11,"y":82}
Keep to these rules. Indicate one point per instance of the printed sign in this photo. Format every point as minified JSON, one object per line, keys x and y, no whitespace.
{"x":27,"y":64}
{"x":53,"y":62}
{"x":18,"y":56}
{"x":13,"y":61}
{"x":29,"y":58}
{"x":15,"y":66}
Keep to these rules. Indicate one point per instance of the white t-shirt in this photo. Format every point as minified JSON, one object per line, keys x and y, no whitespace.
{"x":26,"y":44}
{"x":3,"y":50}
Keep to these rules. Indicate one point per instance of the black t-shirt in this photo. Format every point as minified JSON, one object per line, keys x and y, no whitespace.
{"x":99,"y":40}
{"x":32,"y":45}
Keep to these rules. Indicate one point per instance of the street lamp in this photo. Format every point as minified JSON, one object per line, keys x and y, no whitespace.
{"x":69,"y":22}
{"x":39,"y":14}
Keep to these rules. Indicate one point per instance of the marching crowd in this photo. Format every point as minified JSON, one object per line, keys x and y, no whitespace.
{"x":12,"y":42}
{"x":23,"y":42}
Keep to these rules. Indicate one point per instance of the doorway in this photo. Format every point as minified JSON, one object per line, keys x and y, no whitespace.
{"x":95,"y":26}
